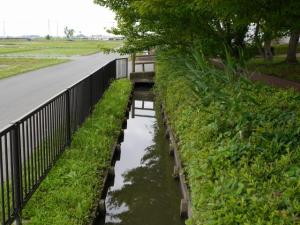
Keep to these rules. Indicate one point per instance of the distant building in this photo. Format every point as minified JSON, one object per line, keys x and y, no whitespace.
{"x":105,"y":37}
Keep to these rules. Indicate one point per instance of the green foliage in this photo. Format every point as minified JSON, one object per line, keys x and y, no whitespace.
{"x":239,"y":143}
{"x":237,"y":24}
{"x":68,"y":193}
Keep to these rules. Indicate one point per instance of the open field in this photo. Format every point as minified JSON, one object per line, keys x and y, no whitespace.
{"x":22,"y":56}
{"x":277,"y":68}
{"x":13,"y":66}
{"x":54,"y":48}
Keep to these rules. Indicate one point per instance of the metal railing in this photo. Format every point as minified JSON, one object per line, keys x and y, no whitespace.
{"x":30,"y":146}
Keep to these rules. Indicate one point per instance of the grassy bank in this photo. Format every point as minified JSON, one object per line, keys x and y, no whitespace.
{"x":239,"y":143}
{"x":67,"y":194}
{"x":12,"y":66}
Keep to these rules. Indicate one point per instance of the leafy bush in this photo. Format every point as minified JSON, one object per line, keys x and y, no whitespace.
{"x":67,"y":194}
{"x":239,"y":142}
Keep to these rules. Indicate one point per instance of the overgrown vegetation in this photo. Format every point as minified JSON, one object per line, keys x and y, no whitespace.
{"x":67,"y":194}
{"x":239,"y":142}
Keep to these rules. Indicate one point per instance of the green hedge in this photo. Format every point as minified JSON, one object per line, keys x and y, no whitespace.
{"x":66,"y":196}
{"x":239,"y":143}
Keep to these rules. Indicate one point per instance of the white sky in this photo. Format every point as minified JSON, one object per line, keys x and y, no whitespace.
{"x":24,"y":17}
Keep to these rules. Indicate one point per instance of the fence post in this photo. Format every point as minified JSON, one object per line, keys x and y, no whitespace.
{"x":91,"y":92}
{"x":16,"y":151}
{"x":133,"y":62}
{"x":68,"y":116}
{"x":114,"y":71}
{"x":126,"y":61}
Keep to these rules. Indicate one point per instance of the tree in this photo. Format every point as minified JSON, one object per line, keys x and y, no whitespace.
{"x":48,"y":37}
{"x":175,"y":24}
{"x":292,"y":50}
{"x":210,"y":25}
{"x":69,"y":33}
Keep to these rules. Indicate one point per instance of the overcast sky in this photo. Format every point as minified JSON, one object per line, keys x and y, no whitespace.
{"x":19,"y":17}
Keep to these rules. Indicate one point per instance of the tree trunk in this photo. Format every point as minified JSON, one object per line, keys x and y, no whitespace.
{"x":257,"y":40}
{"x":292,"y":50}
{"x":267,"y":49}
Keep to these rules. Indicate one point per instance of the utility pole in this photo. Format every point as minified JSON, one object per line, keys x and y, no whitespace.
{"x":49,"y":27}
{"x":56,"y":29}
{"x":4,"y":31}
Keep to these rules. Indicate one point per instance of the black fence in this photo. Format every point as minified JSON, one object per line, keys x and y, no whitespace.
{"x":31,"y":146}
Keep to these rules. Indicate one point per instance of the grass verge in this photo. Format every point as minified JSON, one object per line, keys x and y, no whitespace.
{"x":67,"y":194}
{"x":239,"y":143}
{"x":277,"y":68}
{"x":13,"y":66}
{"x":283,"y":49}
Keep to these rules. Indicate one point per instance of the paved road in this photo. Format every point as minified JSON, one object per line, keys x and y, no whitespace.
{"x":23,"y":93}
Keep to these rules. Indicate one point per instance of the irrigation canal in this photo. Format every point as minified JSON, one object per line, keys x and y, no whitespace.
{"x":144,"y":191}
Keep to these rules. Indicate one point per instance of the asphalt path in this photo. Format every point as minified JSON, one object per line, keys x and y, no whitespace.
{"x":23,"y":93}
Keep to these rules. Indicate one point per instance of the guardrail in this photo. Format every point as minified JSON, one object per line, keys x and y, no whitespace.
{"x":30,"y":146}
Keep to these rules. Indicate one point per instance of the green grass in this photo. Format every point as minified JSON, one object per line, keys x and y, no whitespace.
{"x":67,"y":194}
{"x":23,"y":56}
{"x":239,"y":143}
{"x":282,"y":49}
{"x":34,"y":162}
{"x":54,"y":47}
{"x":13,"y":66}
{"x":277,"y":68}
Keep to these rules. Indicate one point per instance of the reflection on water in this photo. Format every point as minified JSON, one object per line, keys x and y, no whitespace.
{"x":144,"y":192}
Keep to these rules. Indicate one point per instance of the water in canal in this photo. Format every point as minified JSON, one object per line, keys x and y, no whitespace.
{"x":144,"y":191}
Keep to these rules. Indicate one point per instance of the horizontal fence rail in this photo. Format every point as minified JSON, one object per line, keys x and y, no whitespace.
{"x":30,"y":147}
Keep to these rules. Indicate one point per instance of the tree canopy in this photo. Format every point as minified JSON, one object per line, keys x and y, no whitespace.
{"x":236,"y":24}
